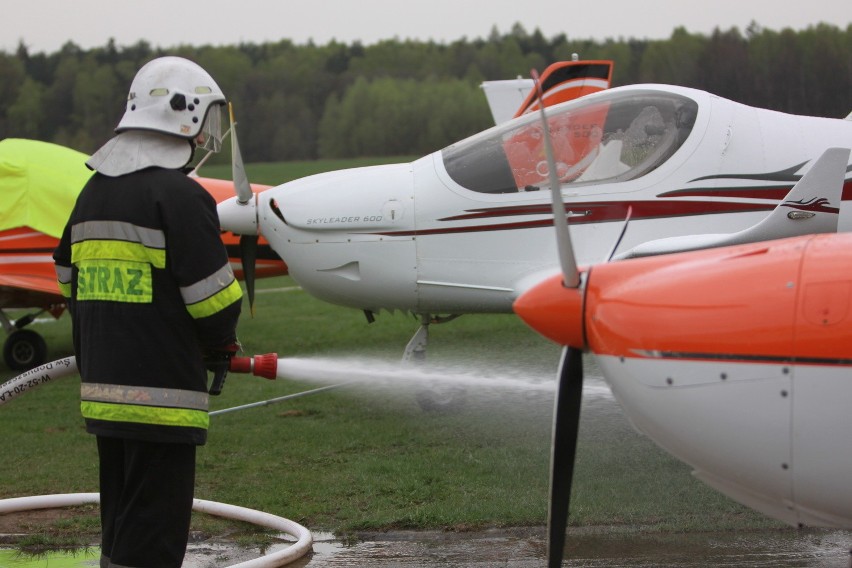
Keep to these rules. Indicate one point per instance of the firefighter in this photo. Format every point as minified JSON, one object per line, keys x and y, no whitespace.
{"x":153,"y":303}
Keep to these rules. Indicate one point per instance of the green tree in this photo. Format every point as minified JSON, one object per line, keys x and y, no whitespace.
{"x":98,"y":103}
{"x":393,"y":117}
{"x":26,"y":116}
{"x":11,"y":77}
{"x":288,"y":133}
{"x":724,"y":64}
{"x":296,"y":101}
{"x":829,"y":51}
{"x":674,"y":61}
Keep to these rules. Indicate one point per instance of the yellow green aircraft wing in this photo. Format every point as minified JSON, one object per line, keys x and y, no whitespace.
{"x":39,"y":184}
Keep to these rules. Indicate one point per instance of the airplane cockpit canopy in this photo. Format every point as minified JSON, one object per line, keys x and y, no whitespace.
{"x":610,"y":137}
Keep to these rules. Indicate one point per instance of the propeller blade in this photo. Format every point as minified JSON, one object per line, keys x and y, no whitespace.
{"x":248,"y":257}
{"x":570,"y":274}
{"x":566,"y":424}
{"x":241,"y":183}
{"x":245,"y":197}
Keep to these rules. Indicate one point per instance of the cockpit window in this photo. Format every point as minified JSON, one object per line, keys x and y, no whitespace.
{"x":613,"y":137}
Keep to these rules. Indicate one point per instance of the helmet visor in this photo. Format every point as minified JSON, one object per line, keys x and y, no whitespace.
{"x":210,"y":137}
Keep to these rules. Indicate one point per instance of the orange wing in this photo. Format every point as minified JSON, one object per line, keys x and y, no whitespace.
{"x":28,"y":279}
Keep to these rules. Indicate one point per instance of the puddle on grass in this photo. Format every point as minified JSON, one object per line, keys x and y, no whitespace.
{"x":521,"y":548}
{"x":525,"y":548}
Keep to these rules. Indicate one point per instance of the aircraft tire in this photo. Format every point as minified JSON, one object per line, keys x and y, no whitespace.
{"x":24,"y":349}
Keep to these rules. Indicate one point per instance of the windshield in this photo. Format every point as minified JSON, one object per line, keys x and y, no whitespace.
{"x":614,"y":136}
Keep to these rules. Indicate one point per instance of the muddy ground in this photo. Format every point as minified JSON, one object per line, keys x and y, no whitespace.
{"x":525,"y":547}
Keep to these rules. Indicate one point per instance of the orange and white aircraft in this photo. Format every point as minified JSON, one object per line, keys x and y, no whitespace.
{"x":39,"y":183}
{"x":736,"y":360}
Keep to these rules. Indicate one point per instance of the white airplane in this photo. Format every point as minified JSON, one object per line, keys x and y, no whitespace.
{"x":468,"y":228}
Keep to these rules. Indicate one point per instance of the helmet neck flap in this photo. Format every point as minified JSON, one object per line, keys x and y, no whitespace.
{"x":135,"y":150}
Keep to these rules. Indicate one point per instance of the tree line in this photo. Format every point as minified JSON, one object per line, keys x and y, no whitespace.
{"x":296,"y":102}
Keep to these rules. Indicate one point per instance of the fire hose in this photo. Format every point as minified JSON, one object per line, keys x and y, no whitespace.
{"x":265,"y":366}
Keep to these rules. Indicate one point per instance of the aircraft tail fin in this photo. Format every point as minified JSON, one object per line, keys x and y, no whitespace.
{"x":569,"y":80}
{"x":811,"y":206}
{"x":504,"y":97}
{"x":561,"y":81}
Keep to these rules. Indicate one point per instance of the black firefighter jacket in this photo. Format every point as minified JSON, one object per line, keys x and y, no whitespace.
{"x":149,"y":289}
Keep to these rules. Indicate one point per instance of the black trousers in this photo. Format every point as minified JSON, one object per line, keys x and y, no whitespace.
{"x":146,"y":502}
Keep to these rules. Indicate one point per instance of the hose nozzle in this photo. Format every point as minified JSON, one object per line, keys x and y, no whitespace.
{"x":265,"y":366}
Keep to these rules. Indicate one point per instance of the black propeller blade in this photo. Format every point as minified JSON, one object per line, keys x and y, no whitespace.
{"x":248,"y":257}
{"x":566,"y":423}
{"x":245,"y":196}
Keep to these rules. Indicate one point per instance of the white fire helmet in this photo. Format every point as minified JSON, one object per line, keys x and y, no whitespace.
{"x":175,"y":96}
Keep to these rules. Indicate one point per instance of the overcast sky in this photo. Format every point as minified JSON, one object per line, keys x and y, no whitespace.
{"x":45,"y":25}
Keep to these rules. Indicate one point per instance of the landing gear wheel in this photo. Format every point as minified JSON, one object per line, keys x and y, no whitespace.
{"x":24,"y":349}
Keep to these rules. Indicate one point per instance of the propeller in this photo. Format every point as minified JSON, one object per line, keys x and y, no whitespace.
{"x":570,"y":274}
{"x":248,"y":257}
{"x":566,"y":412}
{"x":245,"y":198}
{"x":566,"y":425}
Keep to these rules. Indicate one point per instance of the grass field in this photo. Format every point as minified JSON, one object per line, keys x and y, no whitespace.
{"x":370,"y":457}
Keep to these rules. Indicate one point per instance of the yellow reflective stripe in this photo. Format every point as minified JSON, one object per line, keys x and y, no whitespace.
{"x":158,"y":416}
{"x":65,"y":289}
{"x":217,"y":302}
{"x":117,"y":250}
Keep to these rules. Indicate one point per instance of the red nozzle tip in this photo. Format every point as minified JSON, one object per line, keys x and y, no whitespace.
{"x":266,"y":366}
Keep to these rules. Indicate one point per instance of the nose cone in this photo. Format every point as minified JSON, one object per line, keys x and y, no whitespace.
{"x":554,"y":311}
{"x":239,"y":218}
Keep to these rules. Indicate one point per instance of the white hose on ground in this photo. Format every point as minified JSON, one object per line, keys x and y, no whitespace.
{"x":68,"y":366}
{"x":280,"y":558}
{"x":37,"y":377}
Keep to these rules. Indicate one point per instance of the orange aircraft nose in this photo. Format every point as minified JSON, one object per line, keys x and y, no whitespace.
{"x":554,"y":311}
